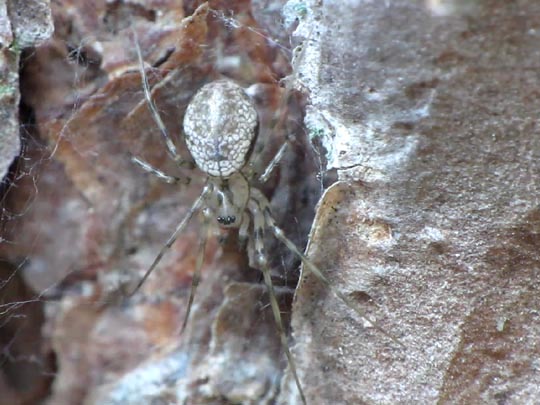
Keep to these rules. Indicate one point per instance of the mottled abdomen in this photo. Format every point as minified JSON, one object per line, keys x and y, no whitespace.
{"x":220,"y":125}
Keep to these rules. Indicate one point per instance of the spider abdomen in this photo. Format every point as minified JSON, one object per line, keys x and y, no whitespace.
{"x":220,"y":126}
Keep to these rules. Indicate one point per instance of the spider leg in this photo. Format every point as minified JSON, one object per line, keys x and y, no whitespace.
{"x":259,"y":225}
{"x":194,"y":208}
{"x":158,"y":173}
{"x":243,"y":231}
{"x":171,"y":148}
{"x":311,"y":267}
{"x":198,"y":265}
{"x":274,"y":162}
{"x":280,"y":121}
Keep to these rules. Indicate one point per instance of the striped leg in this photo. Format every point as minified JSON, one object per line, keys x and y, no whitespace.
{"x":171,"y":148}
{"x":159,"y":174}
{"x":198,"y":265}
{"x":313,"y":269}
{"x":181,"y":226}
{"x":259,"y":225}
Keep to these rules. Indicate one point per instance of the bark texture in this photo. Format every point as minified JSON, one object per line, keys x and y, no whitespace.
{"x":22,"y":24}
{"x":90,"y":222}
{"x":424,"y":111}
{"x":428,"y":112}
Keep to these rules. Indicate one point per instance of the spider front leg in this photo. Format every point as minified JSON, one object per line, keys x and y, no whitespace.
{"x":198,"y":265}
{"x":256,"y":211}
{"x":181,"y":226}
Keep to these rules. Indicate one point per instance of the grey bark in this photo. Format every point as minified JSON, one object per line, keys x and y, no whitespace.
{"x":428,"y":112}
{"x":22,"y":24}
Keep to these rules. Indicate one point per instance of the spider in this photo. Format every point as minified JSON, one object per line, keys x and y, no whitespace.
{"x":220,"y":129}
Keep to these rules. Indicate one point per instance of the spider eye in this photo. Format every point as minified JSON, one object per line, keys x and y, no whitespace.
{"x":228,"y":220}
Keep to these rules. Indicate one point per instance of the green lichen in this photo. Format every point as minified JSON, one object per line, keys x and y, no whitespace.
{"x":6,"y":90}
{"x":15,"y":47}
{"x":315,"y":133}
{"x":300,"y":9}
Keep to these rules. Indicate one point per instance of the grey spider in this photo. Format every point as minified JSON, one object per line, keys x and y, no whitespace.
{"x":220,"y":128}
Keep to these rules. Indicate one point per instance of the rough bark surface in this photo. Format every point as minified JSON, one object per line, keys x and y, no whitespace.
{"x":23,"y":365}
{"x":428,"y":111}
{"x":22,"y":24}
{"x":88,"y":222}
